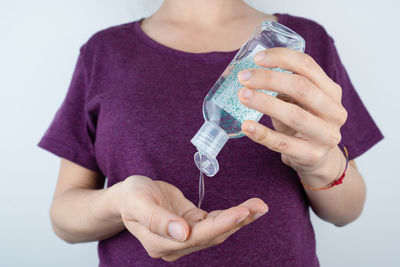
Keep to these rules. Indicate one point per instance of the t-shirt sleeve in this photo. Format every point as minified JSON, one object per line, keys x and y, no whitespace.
{"x":69,"y":135}
{"x":360,"y":132}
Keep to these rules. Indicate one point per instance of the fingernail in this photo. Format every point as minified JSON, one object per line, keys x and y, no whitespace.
{"x":250,"y":128}
{"x":258,"y":215}
{"x":244,"y":75}
{"x":246,"y":93}
{"x":260,"y":57}
{"x":176,"y":230}
{"x":241,"y":219}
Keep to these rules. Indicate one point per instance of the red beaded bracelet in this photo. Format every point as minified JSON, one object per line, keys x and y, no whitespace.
{"x":337,"y":181}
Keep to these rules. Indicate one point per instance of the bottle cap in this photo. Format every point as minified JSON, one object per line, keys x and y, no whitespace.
{"x":209,"y":141}
{"x":208,"y":165}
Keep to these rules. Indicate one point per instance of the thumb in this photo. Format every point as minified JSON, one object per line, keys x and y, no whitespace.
{"x":160,"y":220}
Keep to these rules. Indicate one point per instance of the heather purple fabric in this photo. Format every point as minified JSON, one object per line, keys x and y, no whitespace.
{"x":132,"y":107}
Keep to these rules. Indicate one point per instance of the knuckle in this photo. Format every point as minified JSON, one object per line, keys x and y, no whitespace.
{"x":316,"y":156}
{"x":131,"y":181}
{"x":152,"y":222}
{"x":297,"y":116}
{"x":262,"y":137}
{"x":173,"y":189}
{"x":335,"y":138}
{"x":342,"y":116}
{"x":301,"y":86}
{"x":280,"y":145}
{"x":135,"y":178}
{"x":308,"y":61}
{"x":268,"y":76}
{"x":338,"y":90}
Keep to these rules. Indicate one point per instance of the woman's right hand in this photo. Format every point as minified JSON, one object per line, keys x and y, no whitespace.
{"x":169,"y":226}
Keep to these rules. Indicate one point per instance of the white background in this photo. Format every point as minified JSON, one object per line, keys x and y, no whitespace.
{"x":39,"y":43}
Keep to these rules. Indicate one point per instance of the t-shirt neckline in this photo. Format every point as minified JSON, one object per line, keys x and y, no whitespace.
{"x":212,"y":55}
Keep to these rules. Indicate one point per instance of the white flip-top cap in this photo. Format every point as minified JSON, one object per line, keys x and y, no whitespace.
{"x":209,"y":141}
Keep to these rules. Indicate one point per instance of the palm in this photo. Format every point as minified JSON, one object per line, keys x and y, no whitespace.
{"x":171,"y":198}
{"x":149,"y":206}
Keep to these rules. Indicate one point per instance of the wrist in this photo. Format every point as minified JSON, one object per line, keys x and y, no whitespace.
{"x":106,"y":205}
{"x":330,"y":170}
{"x":114,"y":196}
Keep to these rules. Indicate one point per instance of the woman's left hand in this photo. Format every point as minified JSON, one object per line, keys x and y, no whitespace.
{"x":307,"y":115}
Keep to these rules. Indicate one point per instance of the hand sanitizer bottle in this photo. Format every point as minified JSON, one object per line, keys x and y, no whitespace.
{"x":222,"y":110}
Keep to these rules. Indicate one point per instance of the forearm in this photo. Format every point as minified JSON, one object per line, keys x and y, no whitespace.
{"x":81,"y":215}
{"x":340,"y":204}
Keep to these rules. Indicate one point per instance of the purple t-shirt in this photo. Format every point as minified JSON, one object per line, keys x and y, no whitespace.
{"x":134,"y":104}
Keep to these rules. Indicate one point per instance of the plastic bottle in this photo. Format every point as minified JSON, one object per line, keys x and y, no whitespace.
{"x":222,"y":110}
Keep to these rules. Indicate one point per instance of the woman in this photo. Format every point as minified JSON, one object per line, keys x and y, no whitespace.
{"x":134,"y":104}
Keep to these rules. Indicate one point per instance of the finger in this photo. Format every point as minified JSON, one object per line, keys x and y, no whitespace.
{"x":156,"y":246}
{"x":302,"y":151}
{"x":203,"y":234}
{"x":214,"y":213}
{"x":158,"y":219}
{"x":257,"y":208}
{"x":254,"y":206}
{"x":213,"y":226}
{"x":296,"y":86}
{"x":173,"y":256}
{"x":281,"y":127}
{"x":300,"y":63}
{"x":291,"y":115}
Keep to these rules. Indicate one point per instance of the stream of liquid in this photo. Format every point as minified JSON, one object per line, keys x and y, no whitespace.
{"x":201,"y":183}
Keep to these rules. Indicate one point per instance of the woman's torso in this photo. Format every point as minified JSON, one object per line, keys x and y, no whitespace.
{"x":145,"y":105}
